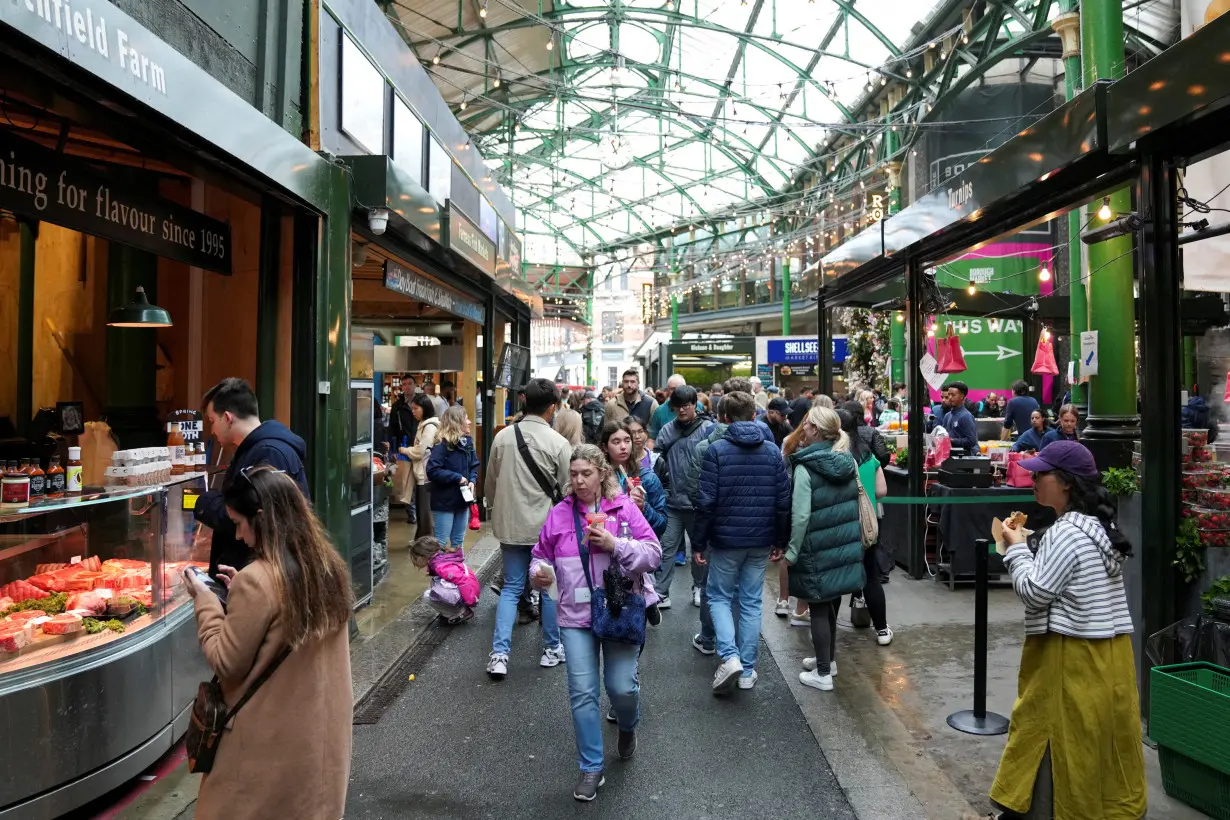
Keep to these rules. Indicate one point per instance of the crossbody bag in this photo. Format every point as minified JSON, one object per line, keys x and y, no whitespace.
{"x":616,"y":613}
{"x":210,"y":717}
{"x":549,"y":489}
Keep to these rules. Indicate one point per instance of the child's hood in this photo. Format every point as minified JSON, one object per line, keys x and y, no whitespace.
{"x":442,"y":559}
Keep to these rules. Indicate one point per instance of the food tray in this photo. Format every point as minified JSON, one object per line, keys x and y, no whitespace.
{"x":1202,"y":477}
{"x":1207,"y":519}
{"x":1196,"y":437}
{"x":1214,"y":498}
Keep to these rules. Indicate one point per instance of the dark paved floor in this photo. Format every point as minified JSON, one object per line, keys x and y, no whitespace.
{"x":457,"y":745}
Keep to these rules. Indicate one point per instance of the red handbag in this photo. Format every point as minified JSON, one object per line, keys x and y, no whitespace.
{"x":1044,"y":358}
{"x":1018,"y":476}
{"x":474,"y":522}
{"x":949,"y":356}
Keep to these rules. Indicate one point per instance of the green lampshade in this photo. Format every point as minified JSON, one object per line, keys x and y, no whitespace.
{"x":139,"y":313}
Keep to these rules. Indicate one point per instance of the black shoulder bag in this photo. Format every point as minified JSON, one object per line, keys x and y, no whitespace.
{"x":549,"y":489}
{"x":210,"y":717}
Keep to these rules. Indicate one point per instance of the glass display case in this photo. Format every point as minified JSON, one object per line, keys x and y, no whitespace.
{"x":98,"y":650}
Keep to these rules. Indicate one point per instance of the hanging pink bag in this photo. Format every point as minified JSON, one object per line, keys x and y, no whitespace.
{"x":1044,"y":358}
{"x":1018,"y":476}
{"x":949,"y":357}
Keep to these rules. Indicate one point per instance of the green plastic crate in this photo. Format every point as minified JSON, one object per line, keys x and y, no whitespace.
{"x":1199,"y":786}
{"x":1189,"y":712}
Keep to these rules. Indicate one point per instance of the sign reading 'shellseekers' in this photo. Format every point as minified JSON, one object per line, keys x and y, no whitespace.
{"x":69,"y":191}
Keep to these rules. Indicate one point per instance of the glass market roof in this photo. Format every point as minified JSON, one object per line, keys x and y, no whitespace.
{"x":610,"y":122}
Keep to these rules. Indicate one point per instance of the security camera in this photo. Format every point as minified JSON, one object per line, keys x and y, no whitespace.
{"x":378,"y":220}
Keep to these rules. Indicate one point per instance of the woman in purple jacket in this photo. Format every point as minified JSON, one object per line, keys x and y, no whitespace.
{"x":626,"y":538}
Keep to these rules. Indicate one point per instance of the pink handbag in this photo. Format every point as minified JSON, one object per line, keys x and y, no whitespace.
{"x":1044,"y":358}
{"x":949,"y":357}
{"x":1018,"y":476}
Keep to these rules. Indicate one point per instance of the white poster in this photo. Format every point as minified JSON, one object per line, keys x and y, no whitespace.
{"x":1206,"y":264}
{"x":927,"y":365}
{"x":1089,"y":353}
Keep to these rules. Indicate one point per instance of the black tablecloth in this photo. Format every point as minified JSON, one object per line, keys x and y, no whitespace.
{"x":962,"y":524}
{"x":895,"y":525}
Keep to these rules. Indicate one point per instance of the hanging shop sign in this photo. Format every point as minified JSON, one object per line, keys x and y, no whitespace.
{"x":468,"y":240}
{"x":797,"y":349}
{"x":422,"y":289}
{"x":714,"y":347}
{"x":65,"y":190}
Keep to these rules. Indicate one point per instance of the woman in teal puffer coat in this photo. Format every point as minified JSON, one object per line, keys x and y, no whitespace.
{"x":825,"y":555}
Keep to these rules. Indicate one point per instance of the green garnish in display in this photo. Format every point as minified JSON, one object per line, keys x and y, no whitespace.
{"x":52,"y":605}
{"x":93,"y":626}
{"x":140,"y":608}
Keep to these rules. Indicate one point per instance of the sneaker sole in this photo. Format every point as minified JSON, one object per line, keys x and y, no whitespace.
{"x":751,"y":683}
{"x":797,"y":622}
{"x":702,"y":650}
{"x":661,"y":605}
{"x":727,"y":683}
{"x":585,"y":799}
{"x":814,"y":685}
{"x":497,"y":675}
{"x":549,"y":665}
{"x":630,"y":754}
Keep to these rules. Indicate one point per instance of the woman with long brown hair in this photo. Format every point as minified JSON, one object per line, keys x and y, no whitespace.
{"x":287,"y":752}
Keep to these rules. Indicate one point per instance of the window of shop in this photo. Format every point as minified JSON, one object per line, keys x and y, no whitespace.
{"x":363,"y":90}
{"x":612,"y":327}
{"x":440,"y":173}
{"x":407,"y":140}
{"x":612,"y":376}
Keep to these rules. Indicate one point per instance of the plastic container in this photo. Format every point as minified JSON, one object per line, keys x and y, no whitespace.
{"x":1189,"y":712}
{"x":1215,"y":498}
{"x":1208,"y":519}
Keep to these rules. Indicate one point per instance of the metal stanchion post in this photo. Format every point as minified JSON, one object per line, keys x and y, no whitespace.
{"x":978,"y":721}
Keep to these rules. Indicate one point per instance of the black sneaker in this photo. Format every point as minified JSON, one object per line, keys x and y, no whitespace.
{"x":653,"y":615}
{"x":627,"y":745}
{"x":527,"y":616}
{"x":610,"y":716}
{"x":587,"y":787}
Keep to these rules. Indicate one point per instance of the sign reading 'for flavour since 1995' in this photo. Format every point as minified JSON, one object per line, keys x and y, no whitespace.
{"x":68,"y":191}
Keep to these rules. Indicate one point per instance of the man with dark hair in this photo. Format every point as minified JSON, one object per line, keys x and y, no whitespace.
{"x":1018,"y":410}
{"x":742,"y":521}
{"x":677,"y":441}
{"x":234,"y":420}
{"x":519,"y":505}
{"x":957,"y":419}
{"x":664,"y":413}
{"x":776,"y":416}
{"x":716,"y":392}
{"x":631,"y":401}
{"x":593,"y":417}
{"x":800,"y":406}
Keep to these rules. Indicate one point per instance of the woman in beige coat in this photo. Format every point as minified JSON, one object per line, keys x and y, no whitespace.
{"x":287,"y":752}
{"x":424,"y":439}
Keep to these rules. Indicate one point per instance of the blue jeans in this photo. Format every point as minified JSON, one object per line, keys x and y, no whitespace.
{"x":707,"y":636}
{"x":450,"y":527}
{"x":516,"y":570}
{"x":678,"y":524}
{"x":741,"y":573}
{"x":622,"y":687}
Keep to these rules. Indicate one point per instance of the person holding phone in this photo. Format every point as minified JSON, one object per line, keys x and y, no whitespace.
{"x":286,"y":753}
{"x":452,"y":469}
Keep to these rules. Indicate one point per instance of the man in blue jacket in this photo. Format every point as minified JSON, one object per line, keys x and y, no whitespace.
{"x":234,"y":420}
{"x":676,"y":443}
{"x":742,"y":521}
{"x":957,"y":419}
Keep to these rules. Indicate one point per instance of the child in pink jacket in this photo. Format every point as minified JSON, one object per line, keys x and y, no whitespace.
{"x":454,"y":587}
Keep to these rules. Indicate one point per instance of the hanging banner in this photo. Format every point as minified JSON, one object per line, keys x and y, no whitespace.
{"x":407,"y":283}
{"x":1206,"y":264}
{"x":71,"y":192}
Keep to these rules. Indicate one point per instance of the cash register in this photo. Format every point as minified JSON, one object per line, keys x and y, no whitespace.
{"x":966,"y":471}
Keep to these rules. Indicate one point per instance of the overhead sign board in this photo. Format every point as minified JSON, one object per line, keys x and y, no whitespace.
{"x":796,"y":349}
{"x":68,"y":191}
{"x":468,"y":241}
{"x":713,"y":347}
{"x":408,"y":283}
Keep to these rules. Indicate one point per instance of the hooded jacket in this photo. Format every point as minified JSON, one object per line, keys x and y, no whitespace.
{"x":593,"y":417}
{"x":638,"y":556}
{"x":424,"y":440}
{"x":826,"y":543}
{"x":451,"y":566}
{"x":743,"y":494}
{"x":272,"y":444}
{"x":446,"y":466}
{"x":618,"y":409}
{"x":677,"y":444}
{"x":1074,"y":585}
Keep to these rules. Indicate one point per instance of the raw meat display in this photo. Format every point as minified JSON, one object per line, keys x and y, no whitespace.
{"x":65,"y":624}
{"x":90,"y":602}
{"x":5,"y":603}
{"x":126,"y":563}
{"x":82,"y":580}
{"x":22,"y":591}
{"x":12,"y":638}
{"x":45,"y":568}
{"x":143,"y":595}
{"x":20,"y":618}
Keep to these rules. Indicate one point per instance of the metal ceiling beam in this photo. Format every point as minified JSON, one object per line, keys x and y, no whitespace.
{"x":724,"y":94}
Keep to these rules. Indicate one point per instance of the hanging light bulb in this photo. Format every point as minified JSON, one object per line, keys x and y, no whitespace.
{"x":482,"y":10}
{"x":1104,"y":213}
{"x":1044,"y":274}
{"x":931,"y":332}
{"x":972,"y":289}
{"x":1046,"y":335}
{"x":496,"y":82}
{"x":551,"y":40}
{"x":435,"y":60}
{"x":883,"y":80}
{"x":909,"y":73}
{"x":463,"y":104}
{"x":900,"y":317}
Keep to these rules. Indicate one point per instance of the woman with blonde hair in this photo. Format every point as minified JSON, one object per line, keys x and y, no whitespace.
{"x":594,"y":529}
{"x":825,"y":554}
{"x":452,"y":469}
{"x":284,"y":621}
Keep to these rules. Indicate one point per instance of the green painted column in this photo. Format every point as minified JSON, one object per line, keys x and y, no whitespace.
{"x":786,"y":296}
{"x":1113,"y":420}
{"x":674,"y":316}
{"x":1067,"y":25}
{"x":897,"y":349}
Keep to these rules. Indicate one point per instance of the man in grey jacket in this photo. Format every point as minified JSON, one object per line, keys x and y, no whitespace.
{"x":677,"y":443}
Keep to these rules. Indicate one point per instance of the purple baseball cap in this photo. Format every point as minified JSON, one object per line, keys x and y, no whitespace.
{"x":1069,"y":456}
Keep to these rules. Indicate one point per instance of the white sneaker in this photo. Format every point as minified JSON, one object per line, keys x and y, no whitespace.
{"x":552,"y":656}
{"x":800,"y":620}
{"x":810,"y":665}
{"x":665,"y":603}
{"x":783,"y":609}
{"x":748,"y":681}
{"x":821,"y":682}
{"x":885,"y":636}
{"x":695,"y":596}
{"x":497,"y":666}
{"x":727,"y":674}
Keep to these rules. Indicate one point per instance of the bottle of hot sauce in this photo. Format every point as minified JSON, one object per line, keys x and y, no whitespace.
{"x":56,"y":479}
{"x":38,"y":480}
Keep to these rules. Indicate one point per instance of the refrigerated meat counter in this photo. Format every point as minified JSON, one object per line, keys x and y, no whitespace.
{"x":99,"y":660}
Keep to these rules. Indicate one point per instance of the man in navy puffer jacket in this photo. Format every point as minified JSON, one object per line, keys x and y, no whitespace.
{"x":742,"y":522}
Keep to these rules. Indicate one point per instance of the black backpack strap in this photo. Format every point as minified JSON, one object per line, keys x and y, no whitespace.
{"x":549,"y":489}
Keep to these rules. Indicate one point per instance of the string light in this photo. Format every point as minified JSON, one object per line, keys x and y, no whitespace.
{"x":900,"y":317}
{"x":1044,"y":274}
{"x":435,"y":60}
{"x":482,"y":10}
{"x":1104,"y":213}
{"x":972,"y":288}
{"x":463,"y":104}
{"x":551,"y":40}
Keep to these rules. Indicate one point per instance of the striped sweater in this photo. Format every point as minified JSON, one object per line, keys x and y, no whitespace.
{"x":1074,"y":585}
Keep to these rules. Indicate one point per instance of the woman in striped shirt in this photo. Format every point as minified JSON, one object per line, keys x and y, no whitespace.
{"x":1074,"y":747}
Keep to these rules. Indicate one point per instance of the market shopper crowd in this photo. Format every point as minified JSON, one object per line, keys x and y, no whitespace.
{"x":594,"y":507}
